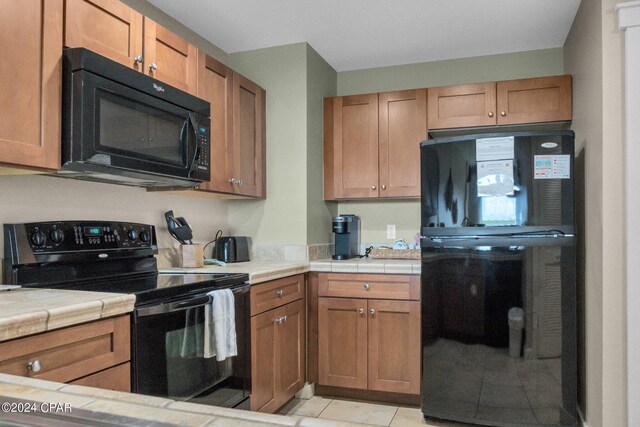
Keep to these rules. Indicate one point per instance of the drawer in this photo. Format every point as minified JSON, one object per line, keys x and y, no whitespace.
{"x":117,"y":378}
{"x":70,"y":353}
{"x":378,"y":286}
{"x":268,"y":295}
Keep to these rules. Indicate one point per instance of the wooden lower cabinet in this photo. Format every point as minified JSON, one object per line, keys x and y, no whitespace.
{"x":394,"y":346}
{"x":342,"y":342}
{"x":366,"y":343}
{"x":278,"y":343}
{"x":95,"y":354}
{"x":117,"y":378}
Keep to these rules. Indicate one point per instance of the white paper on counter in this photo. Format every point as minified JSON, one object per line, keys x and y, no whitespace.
{"x":495,"y":178}
{"x":552,"y":166}
{"x":494,"y":148}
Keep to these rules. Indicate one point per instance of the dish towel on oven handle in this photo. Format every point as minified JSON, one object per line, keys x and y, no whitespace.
{"x":220,"y":325}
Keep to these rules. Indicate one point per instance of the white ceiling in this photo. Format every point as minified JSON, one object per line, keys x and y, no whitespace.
{"x":356,"y":34}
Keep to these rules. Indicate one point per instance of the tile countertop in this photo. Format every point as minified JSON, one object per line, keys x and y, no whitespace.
{"x":27,"y":311}
{"x":262,"y":271}
{"x":136,"y":409}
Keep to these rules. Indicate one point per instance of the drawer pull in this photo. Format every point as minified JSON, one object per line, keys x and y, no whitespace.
{"x":361,"y":311}
{"x":366,"y":286}
{"x":34,"y":366}
{"x":280,"y":293}
{"x":372,"y":311}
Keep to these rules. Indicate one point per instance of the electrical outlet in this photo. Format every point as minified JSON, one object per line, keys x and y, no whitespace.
{"x":391,"y":231}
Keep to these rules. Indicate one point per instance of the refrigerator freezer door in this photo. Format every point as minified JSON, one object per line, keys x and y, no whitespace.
{"x":530,"y":185}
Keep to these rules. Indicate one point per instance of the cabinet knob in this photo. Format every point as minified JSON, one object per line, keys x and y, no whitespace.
{"x":240,"y":181}
{"x":232,"y":181}
{"x":279,"y":293}
{"x":503,"y":113}
{"x":366,"y":286}
{"x":284,"y":319}
{"x":384,"y":187}
{"x":490,"y":113}
{"x":361,"y":310}
{"x":373,"y":187}
{"x":153,"y":66}
{"x":372,"y":311}
{"x":34,"y":366}
{"x":138,"y":59}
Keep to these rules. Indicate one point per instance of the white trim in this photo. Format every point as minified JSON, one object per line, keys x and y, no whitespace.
{"x":628,"y":14}
{"x":629,"y":21}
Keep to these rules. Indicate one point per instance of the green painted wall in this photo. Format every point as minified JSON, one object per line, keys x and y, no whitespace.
{"x":321,"y":83}
{"x":406,"y":214}
{"x":535,"y":63}
{"x":281,"y":218}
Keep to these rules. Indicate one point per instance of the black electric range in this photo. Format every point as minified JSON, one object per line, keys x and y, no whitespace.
{"x":167,"y":322}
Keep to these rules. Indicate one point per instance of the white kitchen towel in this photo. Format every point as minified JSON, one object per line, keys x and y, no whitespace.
{"x":220,"y":326}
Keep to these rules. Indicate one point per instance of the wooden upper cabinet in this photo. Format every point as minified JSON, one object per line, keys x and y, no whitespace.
{"x":394,"y":346}
{"x":249,"y":135}
{"x":342,"y":342}
{"x":462,"y":106}
{"x":402,"y":126}
{"x":30,"y":83}
{"x":169,"y":58}
{"x":107,"y":27}
{"x":215,"y":84}
{"x":351,"y":147}
{"x":544,"y":99}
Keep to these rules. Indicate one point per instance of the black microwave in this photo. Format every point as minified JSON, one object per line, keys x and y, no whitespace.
{"x":121,"y":126}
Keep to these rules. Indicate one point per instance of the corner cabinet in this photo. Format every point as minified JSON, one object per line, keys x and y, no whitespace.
{"x":372,"y":145}
{"x":30,"y":83}
{"x":116,"y":31}
{"x":368,"y":332}
{"x":278,"y":342}
{"x":238,"y":130}
{"x":544,"y":99}
{"x":94,"y":354}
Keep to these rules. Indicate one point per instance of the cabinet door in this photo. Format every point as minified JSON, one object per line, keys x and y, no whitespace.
{"x":544,"y":99}
{"x":402,"y":126}
{"x":248,"y":137}
{"x":352,"y":169}
{"x":342,"y":342}
{"x":117,"y":378}
{"x":291,"y":345}
{"x":215,"y":84}
{"x":394,"y":346}
{"x":264,"y":361}
{"x":107,"y":27}
{"x":462,"y":106}
{"x":30,"y":82}
{"x":169,"y":58}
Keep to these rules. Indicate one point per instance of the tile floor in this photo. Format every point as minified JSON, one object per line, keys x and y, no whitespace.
{"x":359,"y":412}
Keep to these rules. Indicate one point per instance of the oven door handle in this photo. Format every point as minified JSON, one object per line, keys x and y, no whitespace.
{"x":172,"y":307}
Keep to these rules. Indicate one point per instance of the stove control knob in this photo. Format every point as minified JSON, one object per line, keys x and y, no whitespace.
{"x":38,"y":238}
{"x":132,"y":234}
{"x":56,"y":235}
{"x":144,"y":236}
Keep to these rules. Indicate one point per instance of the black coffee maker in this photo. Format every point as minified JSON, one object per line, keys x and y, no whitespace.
{"x":347,"y":231}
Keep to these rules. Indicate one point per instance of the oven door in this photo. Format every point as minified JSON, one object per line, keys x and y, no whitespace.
{"x":168,"y":353}
{"x":118,"y":126}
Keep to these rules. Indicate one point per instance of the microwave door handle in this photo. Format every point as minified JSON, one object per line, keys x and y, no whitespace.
{"x":193,"y":143}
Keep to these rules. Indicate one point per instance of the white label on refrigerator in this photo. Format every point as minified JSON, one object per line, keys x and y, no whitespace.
{"x":495,"y":178}
{"x":494,"y":148}
{"x":552,"y":166}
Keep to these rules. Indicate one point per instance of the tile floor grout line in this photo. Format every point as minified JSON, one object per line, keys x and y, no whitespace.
{"x":394,"y":416}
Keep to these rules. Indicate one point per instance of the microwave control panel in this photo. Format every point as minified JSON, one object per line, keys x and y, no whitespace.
{"x":76,"y":236}
{"x":201,"y":169}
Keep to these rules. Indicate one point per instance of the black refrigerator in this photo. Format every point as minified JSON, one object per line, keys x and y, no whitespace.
{"x":499,"y":279}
